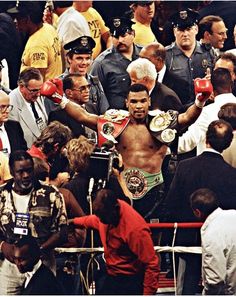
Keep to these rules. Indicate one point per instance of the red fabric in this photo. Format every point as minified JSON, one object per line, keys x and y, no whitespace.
{"x":128,"y":248}
{"x":118,"y":129}
{"x":36,"y":152}
{"x":1,"y":146}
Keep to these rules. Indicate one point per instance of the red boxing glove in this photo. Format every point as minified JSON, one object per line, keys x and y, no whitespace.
{"x":203,"y":88}
{"x":59,"y":84}
{"x":53,"y":89}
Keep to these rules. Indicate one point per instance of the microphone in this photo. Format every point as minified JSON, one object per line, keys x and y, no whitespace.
{"x":90,"y":188}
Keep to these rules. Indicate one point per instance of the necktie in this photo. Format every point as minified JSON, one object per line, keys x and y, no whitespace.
{"x":34,"y":110}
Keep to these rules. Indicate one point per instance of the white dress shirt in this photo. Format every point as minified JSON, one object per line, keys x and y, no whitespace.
{"x":5,"y":141}
{"x":41,"y":113}
{"x":161,"y":74}
{"x":219,"y":253}
{"x":195,"y":136}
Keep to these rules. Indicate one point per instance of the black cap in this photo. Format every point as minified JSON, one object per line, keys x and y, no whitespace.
{"x":33,"y":9}
{"x":142,"y":3}
{"x":82,"y":45}
{"x":21,"y":8}
{"x":184,"y":19}
{"x":120,"y":25}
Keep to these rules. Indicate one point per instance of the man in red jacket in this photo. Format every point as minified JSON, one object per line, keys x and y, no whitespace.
{"x":131,"y":262}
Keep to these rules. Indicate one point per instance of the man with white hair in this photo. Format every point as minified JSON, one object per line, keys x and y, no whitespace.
{"x":143,"y":71}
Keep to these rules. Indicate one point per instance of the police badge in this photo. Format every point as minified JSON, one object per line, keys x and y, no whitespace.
{"x":183,"y":14}
{"x":116,"y":22}
{"x":84,"y":41}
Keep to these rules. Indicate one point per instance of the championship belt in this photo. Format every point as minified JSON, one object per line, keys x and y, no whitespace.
{"x":140,"y":182}
{"x":111,"y":125}
{"x":163,"y":125}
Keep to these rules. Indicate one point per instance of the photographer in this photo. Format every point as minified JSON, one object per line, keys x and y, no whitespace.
{"x":87,"y":167}
{"x":79,"y":153}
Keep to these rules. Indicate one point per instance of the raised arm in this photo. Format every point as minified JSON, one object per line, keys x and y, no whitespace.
{"x":53,"y":90}
{"x":203,"y":89}
{"x":81,"y":115}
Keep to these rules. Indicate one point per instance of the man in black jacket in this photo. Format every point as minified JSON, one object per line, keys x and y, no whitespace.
{"x":208,"y":170}
{"x":156,"y":53}
{"x":39,"y":278}
{"x":142,"y":71}
{"x":76,"y":88}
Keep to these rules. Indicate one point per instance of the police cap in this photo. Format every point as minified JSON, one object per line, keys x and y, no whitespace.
{"x":24,"y":8}
{"x":184,"y":19}
{"x":82,"y":45}
{"x":120,"y":25}
{"x":142,"y":3}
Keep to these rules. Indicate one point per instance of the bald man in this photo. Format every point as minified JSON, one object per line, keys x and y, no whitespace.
{"x":156,"y":53}
{"x":11,"y":134}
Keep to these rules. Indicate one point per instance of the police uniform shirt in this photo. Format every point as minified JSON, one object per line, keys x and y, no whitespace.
{"x":188,"y":68}
{"x":97,"y":95}
{"x":110,"y":67}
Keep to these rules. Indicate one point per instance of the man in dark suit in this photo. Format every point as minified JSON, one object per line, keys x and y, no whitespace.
{"x":76,"y":89}
{"x":11,"y":134}
{"x":208,"y":170}
{"x":39,"y":279}
{"x":156,"y":53}
{"x":226,"y":10}
{"x":142,"y":71}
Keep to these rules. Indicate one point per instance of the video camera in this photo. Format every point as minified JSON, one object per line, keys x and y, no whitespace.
{"x":102,"y":160}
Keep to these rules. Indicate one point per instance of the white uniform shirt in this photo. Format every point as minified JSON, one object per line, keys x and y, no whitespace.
{"x":219,"y":253}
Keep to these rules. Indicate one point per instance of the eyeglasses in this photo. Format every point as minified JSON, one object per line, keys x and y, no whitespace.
{"x":6,"y":108}
{"x":83,"y":89}
{"x":32,"y":91}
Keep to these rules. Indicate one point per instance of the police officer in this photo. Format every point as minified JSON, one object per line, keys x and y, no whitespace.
{"x":110,"y":66}
{"x":79,"y":57}
{"x":185,"y":57}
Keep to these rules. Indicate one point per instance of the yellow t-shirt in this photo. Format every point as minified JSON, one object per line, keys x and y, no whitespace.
{"x":143,"y":34}
{"x":43,"y":50}
{"x":97,"y":28}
